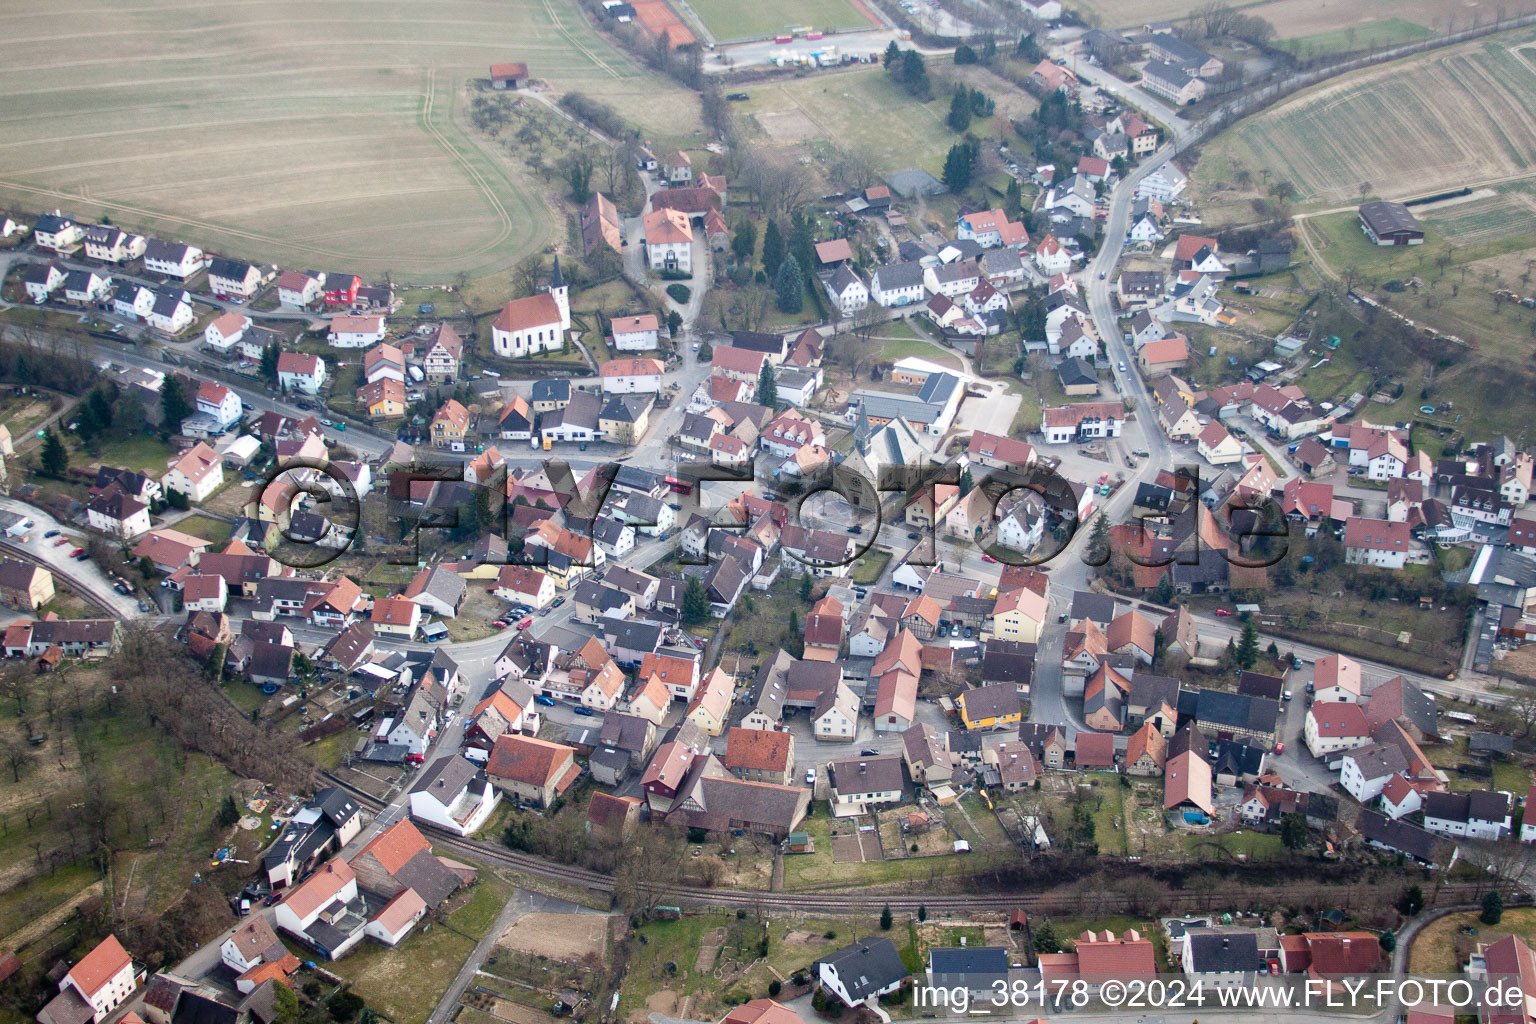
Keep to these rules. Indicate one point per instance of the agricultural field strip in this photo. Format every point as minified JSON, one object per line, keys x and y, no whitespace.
{"x":107,"y":167}
{"x":1404,"y":116}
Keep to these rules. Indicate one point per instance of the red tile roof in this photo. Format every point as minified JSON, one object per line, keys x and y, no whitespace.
{"x":396,"y":845}
{"x":757,"y":750}
{"x":100,"y":965}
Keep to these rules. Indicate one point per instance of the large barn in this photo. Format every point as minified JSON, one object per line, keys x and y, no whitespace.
{"x":1390,"y":224}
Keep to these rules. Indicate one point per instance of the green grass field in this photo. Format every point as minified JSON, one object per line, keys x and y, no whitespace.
{"x":733,"y":20}
{"x":1492,"y":384}
{"x":860,"y":110}
{"x":1374,"y":35}
{"x":316,"y":136}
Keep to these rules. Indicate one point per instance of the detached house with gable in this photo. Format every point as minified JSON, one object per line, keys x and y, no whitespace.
{"x":91,"y":989}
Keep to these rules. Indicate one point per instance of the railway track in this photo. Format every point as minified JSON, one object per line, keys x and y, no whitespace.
{"x":76,"y":584}
{"x":843,"y":901}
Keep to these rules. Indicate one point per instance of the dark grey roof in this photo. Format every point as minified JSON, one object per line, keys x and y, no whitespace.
{"x":899,"y":275}
{"x":1258,"y":684}
{"x":633,"y":478}
{"x":194,"y":1008}
{"x":1464,"y":807}
{"x":866,"y":775}
{"x":236,"y":270}
{"x":867,"y":966}
{"x":1490,"y":743}
{"x":1189,"y":738}
{"x":1176,"y":77}
{"x":335,"y":804}
{"x":270,"y":661}
{"x":637,"y":636}
{"x":756,"y":341}
{"x":170,"y":252}
{"x":625,"y":408}
{"x":1423,"y":846}
{"x":624,"y":732}
{"x":1008,"y":661}
{"x":1075,"y":371}
{"x":1378,"y":760}
{"x":1237,"y":710}
{"x":600,"y":596}
{"x":843,"y":279}
{"x":167,"y":301}
{"x":432,"y":880}
{"x":446,"y":778}
{"x":1186,"y":54}
{"x":1147,"y":690}
{"x":551,"y":390}
{"x":52,"y":223}
{"x":1098,"y":608}
{"x":69,"y":1007}
{"x":952,"y":960}
{"x":1222,"y":952}
{"x":991,"y":701}
{"x":1384,"y":218}
{"x":1233,"y":758}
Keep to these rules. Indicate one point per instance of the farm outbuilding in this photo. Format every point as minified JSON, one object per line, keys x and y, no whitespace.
{"x":509,"y":76}
{"x":1390,"y":224}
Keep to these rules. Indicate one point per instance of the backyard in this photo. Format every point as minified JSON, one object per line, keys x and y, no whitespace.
{"x":406,"y":982}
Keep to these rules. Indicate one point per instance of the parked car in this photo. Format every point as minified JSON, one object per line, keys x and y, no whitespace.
{"x":1223,"y":612}
{"x":51,"y":533}
{"x":585,"y":711}
{"x":547,"y":702}
{"x":810,"y":776}
{"x":525,"y":623}
{"x":77,"y":552}
{"x":60,"y":542}
{"x":988,"y":558}
{"x":557,"y":602}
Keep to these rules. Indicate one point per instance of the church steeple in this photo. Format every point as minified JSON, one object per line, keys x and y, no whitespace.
{"x":561,"y":295}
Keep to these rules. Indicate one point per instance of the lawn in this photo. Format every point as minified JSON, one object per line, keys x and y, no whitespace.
{"x":1372,"y":35}
{"x":894,"y":347}
{"x":1109,"y":817}
{"x":862,"y":111}
{"x":405,"y":983}
{"x":1241,"y":845}
{"x":215,"y":531}
{"x":733,"y":20}
{"x":817,"y":870}
{"x":1434,"y":950}
{"x":870,"y":566}
{"x":1490,"y":382}
{"x":147,"y":455}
